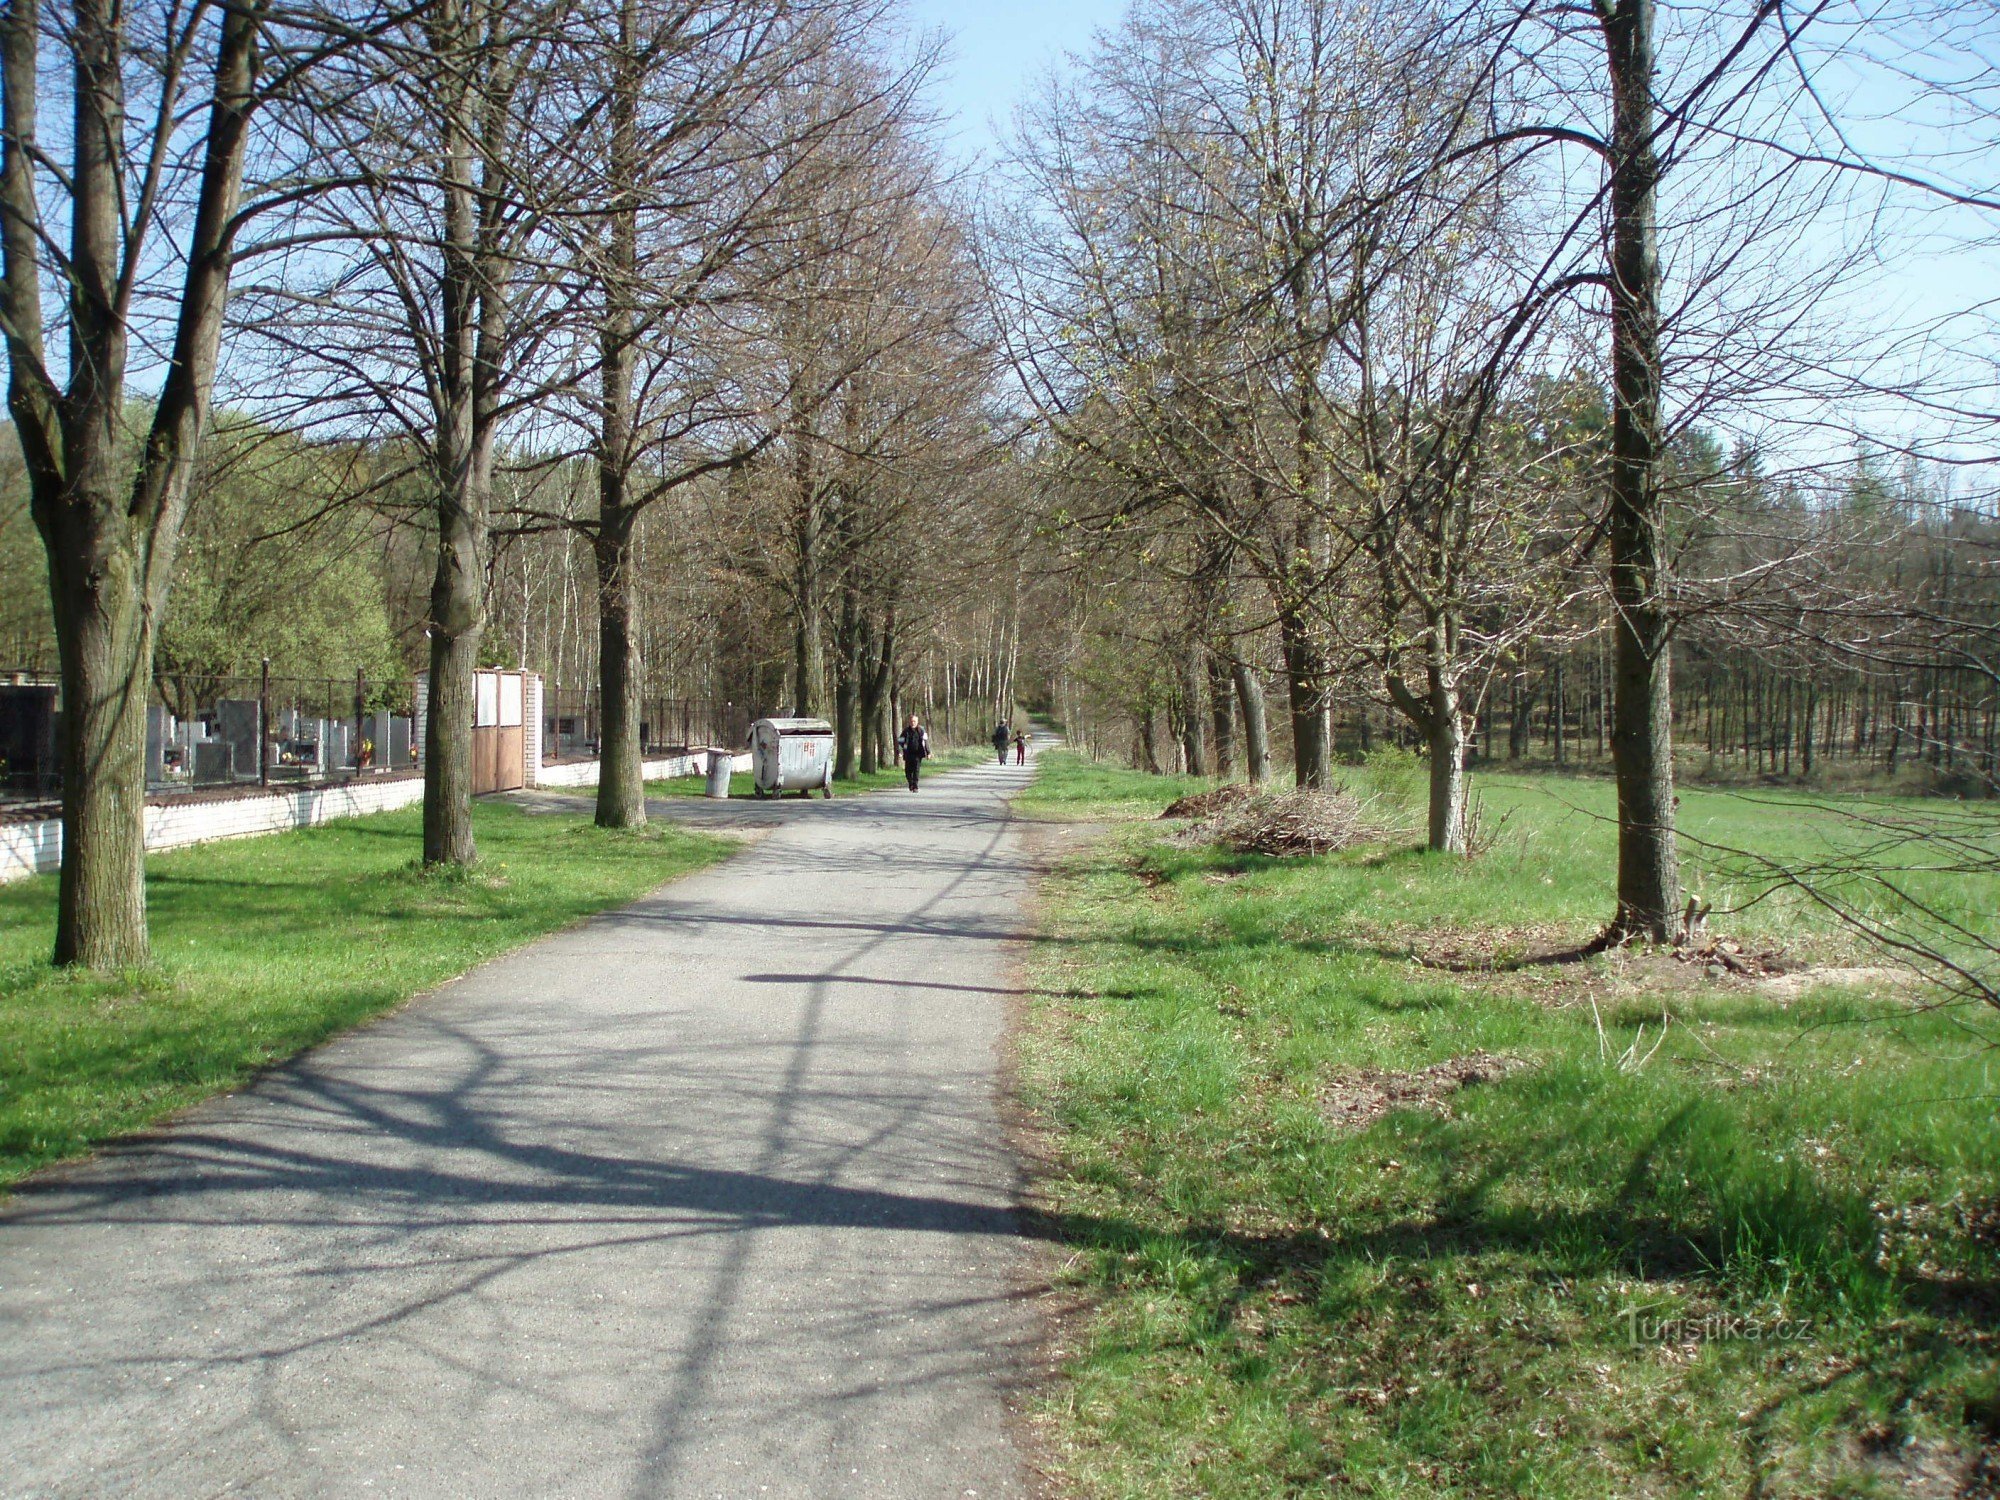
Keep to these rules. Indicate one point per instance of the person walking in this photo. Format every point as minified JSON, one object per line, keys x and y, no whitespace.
{"x":913,"y":745}
{"x":1020,"y":747}
{"x":1001,"y":735}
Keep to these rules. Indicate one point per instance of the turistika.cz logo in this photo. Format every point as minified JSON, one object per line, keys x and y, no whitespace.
{"x":1642,"y":1327}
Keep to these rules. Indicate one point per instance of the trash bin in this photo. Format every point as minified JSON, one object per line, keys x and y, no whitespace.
{"x":720,"y":764}
{"x":792,"y":755}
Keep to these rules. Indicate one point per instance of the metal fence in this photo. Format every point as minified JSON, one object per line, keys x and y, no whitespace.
{"x":572,"y":724}
{"x":207,"y":732}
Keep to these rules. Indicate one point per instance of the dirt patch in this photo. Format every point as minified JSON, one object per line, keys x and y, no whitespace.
{"x":1208,"y":804}
{"x":1792,"y":984}
{"x":1918,"y":1468}
{"x":1354,"y":1101}
{"x":1557,"y":966}
{"x":1289,"y":823}
{"x":1720,"y":956}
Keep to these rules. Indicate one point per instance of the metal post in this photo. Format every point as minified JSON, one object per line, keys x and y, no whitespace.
{"x":264,"y":725}
{"x":360,"y":712}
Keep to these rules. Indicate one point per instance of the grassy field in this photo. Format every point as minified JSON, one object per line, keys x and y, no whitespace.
{"x":1679,"y":1234}
{"x":265,"y":946}
{"x":742,"y":785}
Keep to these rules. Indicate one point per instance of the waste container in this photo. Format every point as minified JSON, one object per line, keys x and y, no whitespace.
{"x":720,"y":764}
{"x":792,"y":755}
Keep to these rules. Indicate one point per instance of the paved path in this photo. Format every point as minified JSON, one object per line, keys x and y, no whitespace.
{"x":706,"y":1197}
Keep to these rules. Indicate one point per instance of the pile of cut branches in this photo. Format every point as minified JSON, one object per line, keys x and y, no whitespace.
{"x":1207,"y":804}
{"x":1287,"y":823}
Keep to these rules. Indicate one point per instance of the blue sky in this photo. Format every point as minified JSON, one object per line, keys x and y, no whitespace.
{"x":998,"y":49}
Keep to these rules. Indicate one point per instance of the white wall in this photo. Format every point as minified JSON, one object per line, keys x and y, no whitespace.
{"x":35,"y":848}
{"x":584,"y":772}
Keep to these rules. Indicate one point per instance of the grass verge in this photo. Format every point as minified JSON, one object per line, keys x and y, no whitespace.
{"x":1753,"y":1256}
{"x":265,"y":946}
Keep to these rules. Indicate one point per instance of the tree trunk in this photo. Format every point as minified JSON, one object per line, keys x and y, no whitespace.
{"x":1806,"y":746}
{"x":1256,"y":731}
{"x":1309,"y":695}
{"x":1194,"y":750}
{"x":1446,"y":740}
{"x":846,"y":684}
{"x":1642,"y":706}
{"x":870,"y":694}
{"x":808,"y":649}
{"x":458,"y":616}
{"x":1222,"y":717}
{"x":1558,"y":715}
{"x":1149,"y":748}
{"x":621,"y":777}
{"x":877,"y":743}
{"x":110,"y":533}
{"x":105,"y":646}
{"x":1439,"y":718}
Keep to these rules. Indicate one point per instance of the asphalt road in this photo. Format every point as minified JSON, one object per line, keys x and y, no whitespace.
{"x":706,"y":1197}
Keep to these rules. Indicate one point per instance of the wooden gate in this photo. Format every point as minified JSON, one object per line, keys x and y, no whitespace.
{"x":499,"y":745}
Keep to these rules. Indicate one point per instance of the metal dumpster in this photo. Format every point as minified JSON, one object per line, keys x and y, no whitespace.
{"x":792,"y":755}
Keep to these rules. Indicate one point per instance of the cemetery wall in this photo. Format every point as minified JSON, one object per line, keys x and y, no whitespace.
{"x":584,"y":772}
{"x":29,"y":848}
{"x":35,"y":847}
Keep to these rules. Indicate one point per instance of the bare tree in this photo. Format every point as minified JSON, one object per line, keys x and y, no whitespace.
{"x":443,"y":145}
{"x":163,"y":103}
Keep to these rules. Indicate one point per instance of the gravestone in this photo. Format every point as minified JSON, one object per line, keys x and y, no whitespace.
{"x":159,"y":730}
{"x":377,"y":728}
{"x":214,"y":761}
{"x":237,"y":725}
{"x":333,"y":745}
{"x":399,"y":742}
{"x":28,"y":727}
{"x":187,"y":734}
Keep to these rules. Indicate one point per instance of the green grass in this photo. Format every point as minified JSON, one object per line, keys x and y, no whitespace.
{"x":1444,"y":1302}
{"x":741,"y":784}
{"x":264,"y":946}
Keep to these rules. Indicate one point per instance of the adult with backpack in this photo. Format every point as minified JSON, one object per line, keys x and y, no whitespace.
{"x":1002,"y":738}
{"x":913,"y":745}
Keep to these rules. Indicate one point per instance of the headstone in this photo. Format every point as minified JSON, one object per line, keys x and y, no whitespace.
{"x":159,"y":730}
{"x":214,"y":761}
{"x":399,"y":742}
{"x":237,"y":724}
{"x":333,"y":745}
{"x":28,"y":724}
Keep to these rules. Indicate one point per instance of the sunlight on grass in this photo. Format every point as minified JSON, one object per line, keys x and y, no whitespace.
{"x":1761,"y":1261}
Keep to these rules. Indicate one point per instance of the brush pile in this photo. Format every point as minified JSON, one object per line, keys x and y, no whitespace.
{"x":1207,"y":804}
{"x":1287,"y":823}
